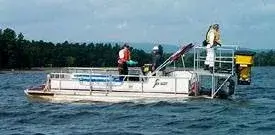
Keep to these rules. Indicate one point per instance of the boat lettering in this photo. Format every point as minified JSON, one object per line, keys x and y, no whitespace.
{"x":157,"y":82}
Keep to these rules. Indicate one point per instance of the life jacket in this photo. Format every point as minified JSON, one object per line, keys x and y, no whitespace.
{"x":127,"y":54}
{"x":216,"y":36}
{"x":123,"y":56}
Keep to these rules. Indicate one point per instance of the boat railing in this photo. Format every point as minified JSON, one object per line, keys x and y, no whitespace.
{"x":68,"y":76}
{"x":108,"y":82}
{"x":224,"y":64}
{"x":88,"y":70}
{"x":223,"y":58}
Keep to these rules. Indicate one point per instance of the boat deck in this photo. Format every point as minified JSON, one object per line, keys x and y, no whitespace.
{"x":208,"y":73}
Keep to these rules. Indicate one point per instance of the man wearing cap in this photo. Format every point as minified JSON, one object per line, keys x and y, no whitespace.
{"x":157,"y":57}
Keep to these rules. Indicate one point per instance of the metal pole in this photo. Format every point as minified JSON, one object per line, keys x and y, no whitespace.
{"x":183,"y":64}
{"x":198,"y":58}
{"x":213,"y":76}
{"x":175,"y":85}
{"x":106,"y":82}
{"x":59,"y":81}
{"x":220,"y":53}
{"x":142,"y":83}
{"x":90,"y":81}
{"x":232,"y":65}
{"x":109,"y":82}
{"x":194,"y":61}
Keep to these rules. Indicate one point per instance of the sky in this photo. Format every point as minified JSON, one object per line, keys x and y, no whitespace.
{"x":247,"y":23}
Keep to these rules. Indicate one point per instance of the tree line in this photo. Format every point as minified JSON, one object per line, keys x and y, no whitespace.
{"x":16,"y":52}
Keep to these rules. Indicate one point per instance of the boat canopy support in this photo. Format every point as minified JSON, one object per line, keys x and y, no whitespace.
{"x":174,"y":57}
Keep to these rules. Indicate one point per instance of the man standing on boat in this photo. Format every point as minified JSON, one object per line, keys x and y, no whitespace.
{"x":157,"y":59}
{"x":212,"y":40}
{"x":124,"y":56}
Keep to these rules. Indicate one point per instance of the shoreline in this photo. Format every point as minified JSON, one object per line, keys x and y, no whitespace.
{"x":32,"y":70}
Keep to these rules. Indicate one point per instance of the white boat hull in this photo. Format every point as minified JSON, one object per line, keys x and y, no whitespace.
{"x":101,"y":96}
{"x":109,"y":88}
{"x":74,"y":88}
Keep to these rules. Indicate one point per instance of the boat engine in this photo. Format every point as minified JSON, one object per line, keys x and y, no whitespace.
{"x":227,"y":89}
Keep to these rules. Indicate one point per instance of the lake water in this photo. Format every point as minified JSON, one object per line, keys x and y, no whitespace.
{"x":251,"y":111}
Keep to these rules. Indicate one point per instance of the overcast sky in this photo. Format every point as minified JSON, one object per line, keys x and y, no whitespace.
{"x":248,"y":23}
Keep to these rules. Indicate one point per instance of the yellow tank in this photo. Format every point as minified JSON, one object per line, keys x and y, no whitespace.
{"x":244,"y":61}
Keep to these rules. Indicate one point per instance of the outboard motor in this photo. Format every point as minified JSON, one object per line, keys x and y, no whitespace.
{"x":244,"y":62}
{"x":227,"y":89}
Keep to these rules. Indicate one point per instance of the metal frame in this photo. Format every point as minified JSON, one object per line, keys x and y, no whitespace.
{"x":220,"y":50}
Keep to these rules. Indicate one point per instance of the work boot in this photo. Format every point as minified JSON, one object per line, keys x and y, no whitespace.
{"x":206,"y":67}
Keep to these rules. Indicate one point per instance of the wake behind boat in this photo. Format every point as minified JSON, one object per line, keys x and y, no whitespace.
{"x":106,"y":85}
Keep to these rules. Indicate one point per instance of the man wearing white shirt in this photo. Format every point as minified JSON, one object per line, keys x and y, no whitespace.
{"x":212,"y":39}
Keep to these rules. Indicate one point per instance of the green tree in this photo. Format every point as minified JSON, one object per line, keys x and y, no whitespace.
{"x":17,"y":52}
{"x":70,"y":61}
{"x":9,"y":48}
